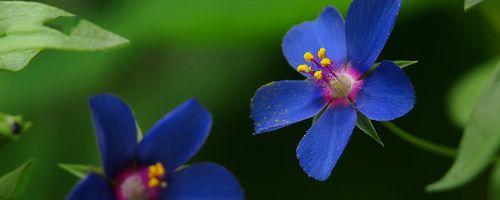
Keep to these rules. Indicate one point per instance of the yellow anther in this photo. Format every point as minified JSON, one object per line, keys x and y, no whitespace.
{"x":151,"y":171}
{"x":304,"y":68}
{"x":322,"y":53}
{"x":318,"y":75}
{"x":160,"y":170}
{"x":308,"y":56}
{"x":326,"y":62}
{"x":154,"y":182}
{"x":156,"y":171}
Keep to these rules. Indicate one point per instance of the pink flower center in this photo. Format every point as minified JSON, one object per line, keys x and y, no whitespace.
{"x":340,"y":80}
{"x":142,"y":184}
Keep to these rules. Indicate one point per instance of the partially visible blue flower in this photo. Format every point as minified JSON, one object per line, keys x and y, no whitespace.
{"x":336,"y":58}
{"x":150,"y":169}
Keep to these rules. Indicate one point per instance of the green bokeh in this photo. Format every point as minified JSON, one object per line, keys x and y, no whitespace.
{"x":221,"y":51}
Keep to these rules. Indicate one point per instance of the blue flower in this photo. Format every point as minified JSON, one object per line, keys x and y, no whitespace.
{"x":150,"y":169}
{"x":336,"y":57}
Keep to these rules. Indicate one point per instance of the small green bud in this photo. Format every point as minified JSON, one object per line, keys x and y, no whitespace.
{"x":11,"y":126}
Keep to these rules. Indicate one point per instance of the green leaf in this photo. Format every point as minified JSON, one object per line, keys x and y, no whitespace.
{"x":468,"y":4}
{"x":367,"y":127}
{"x":13,"y":184}
{"x":405,"y":63}
{"x":140,"y":135}
{"x":26,"y":28}
{"x":80,"y":171}
{"x":495,"y":182}
{"x":316,"y":117}
{"x":400,"y":63}
{"x":480,"y":141}
{"x":16,"y":60}
{"x":467,"y":91}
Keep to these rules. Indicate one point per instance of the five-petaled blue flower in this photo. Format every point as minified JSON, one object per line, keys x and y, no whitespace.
{"x":339,"y":81}
{"x":150,"y":169}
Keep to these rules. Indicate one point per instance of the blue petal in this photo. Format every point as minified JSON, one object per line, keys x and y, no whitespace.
{"x":203,"y":181}
{"x":368,"y":26}
{"x":93,"y":187}
{"x":177,"y":137}
{"x":326,"y":31}
{"x":324,"y":142}
{"x":116,"y":132}
{"x":386,"y":93}
{"x":282,"y":103}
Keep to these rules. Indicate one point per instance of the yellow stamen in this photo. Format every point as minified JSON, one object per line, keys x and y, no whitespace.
{"x":151,"y":171}
{"x":303,"y":68}
{"x":154,"y":182}
{"x":156,"y":171}
{"x":160,"y":170}
{"x":326,"y":62}
{"x":322,"y":53}
{"x":308,"y":56}
{"x":318,"y":75}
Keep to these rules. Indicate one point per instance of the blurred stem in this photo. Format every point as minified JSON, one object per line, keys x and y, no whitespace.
{"x":421,"y":143}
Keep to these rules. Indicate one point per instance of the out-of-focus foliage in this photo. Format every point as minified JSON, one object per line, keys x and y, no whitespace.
{"x":468,"y":4}
{"x":465,"y":93}
{"x":242,"y":22}
{"x":480,"y":141}
{"x":26,"y":28}
{"x":13,"y":184}
{"x":495,"y":182}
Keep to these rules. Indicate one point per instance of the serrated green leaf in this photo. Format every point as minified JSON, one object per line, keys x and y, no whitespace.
{"x":367,"y":127}
{"x":80,"y":171}
{"x":480,"y":141}
{"x":468,"y":4}
{"x":467,"y":91}
{"x":13,"y":184}
{"x":26,"y":28}
{"x":495,"y":182}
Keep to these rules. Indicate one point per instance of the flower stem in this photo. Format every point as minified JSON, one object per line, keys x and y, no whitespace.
{"x":421,"y":143}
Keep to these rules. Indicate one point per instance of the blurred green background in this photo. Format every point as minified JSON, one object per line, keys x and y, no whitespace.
{"x":221,"y":51}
